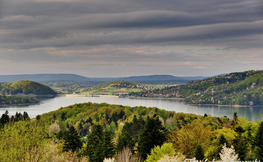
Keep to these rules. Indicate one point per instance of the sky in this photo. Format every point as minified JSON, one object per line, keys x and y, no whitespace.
{"x":119,"y":38}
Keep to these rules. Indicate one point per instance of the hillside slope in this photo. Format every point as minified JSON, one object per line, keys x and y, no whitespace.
{"x":117,"y":88}
{"x":25,"y":87}
{"x":239,"y":88}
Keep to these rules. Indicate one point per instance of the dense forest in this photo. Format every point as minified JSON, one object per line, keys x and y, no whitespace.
{"x":240,"y":88}
{"x":102,"y":132}
{"x":117,"y":88}
{"x":67,"y":87}
{"x":9,"y":100}
{"x":25,"y":87}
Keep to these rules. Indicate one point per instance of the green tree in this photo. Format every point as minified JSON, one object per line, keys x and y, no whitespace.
{"x":72,"y":140}
{"x":108,"y":149}
{"x":94,"y":144}
{"x":199,"y":153}
{"x":153,"y":134}
{"x":241,"y":149}
{"x":4,"y":118}
{"x":258,"y":141}
{"x":125,"y":140}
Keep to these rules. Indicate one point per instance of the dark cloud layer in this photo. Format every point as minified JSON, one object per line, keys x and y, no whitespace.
{"x":44,"y":25}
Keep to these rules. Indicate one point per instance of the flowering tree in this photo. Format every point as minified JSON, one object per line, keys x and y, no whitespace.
{"x":228,"y":154}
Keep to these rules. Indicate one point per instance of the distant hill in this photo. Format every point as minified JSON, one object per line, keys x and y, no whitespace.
{"x":43,"y":77}
{"x":239,"y":88}
{"x":117,"y":88}
{"x":25,"y":87}
{"x":150,"y":79}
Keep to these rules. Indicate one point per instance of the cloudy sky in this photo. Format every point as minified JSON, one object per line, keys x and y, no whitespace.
{"x":110,"y":38}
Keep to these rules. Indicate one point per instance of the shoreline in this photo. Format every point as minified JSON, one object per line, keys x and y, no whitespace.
{"x":80,"y":95}
{"x":30,"y":95}
{"x":155,"y":98}
{"x":24,"y":104}
{"x":223,"y":105}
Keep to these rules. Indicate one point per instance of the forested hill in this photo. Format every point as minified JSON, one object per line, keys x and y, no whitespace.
{"x":117,"y":88}
{"x":239,"y":88}
{"x":25,"y":87}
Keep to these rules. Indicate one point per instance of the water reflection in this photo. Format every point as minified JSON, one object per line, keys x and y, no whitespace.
{"x":49,"y":104}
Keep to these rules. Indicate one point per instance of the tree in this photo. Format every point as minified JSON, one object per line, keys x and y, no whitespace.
{"x":258,"y":141}
{"x":94,"y":144}
{"x":125,"y":140}
{"x":223,"y":140}
{"x":4,"y":118}
{"x":241,"y":149}
{"x":72,"y":140}
{"x":153,"y":134}
{"x":235,"y":120}
{"x":199,"y":153}
{"x":228,"y":154}
{"x":158,"y":152}
{"x":108,"y":149}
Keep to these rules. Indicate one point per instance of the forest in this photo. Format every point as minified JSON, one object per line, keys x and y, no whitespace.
{"x":240,"y":88}
{"x":25,"y":87}
{"x":9,"y":100}
{"x":103,"y":132}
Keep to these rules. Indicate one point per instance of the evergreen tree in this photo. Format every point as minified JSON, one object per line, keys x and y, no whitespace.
{"x":235,"y":120}
{"x":241,"y":149}
{"x":125,"y":140}
{"x":108,"y":149}
{"x":258,"y":141}
{"x":199,"y":154}
{"x":72,"y":140}
{"x":223,"y":140}
{"x":153,"y":134}
{"x":94,"y":144}
{"x":5,"y":118}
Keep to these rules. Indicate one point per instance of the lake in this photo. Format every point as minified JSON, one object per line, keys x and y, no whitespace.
{"x":49,"y":104}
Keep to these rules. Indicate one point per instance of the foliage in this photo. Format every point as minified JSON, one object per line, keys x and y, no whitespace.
{"x":199,"y":153}
{"x":19,"y":140}
{"x":158,"y":152}
{"x":190,"y":136}
{"x":153,"y":134}
{"x":93,"y":148}
{"x":10,"y":100}
{"x":26,"y":87}
{"x":258,"y":141}
{"x":67,"y":87}
{"x":117,"y":88}
{"x":72,"y":140}
{"x":242,"y":88}
{"x":178,"y":158}
{"x":228,"y":154}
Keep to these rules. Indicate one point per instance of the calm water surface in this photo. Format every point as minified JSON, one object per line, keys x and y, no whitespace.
{"x":49,"y":104}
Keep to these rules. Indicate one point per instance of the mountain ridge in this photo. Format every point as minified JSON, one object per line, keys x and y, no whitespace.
{"x":145,"y":79}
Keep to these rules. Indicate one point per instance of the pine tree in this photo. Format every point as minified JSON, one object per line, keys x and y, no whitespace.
{"x":258,"y":141}
{"x":94,"y":144}
{"x":223,"y":140}
{"x":72,"y":140}
{"x":199,"y":154}
{"x":125,"y":140}
{"x":153,"y":134}
{"x":108,"y":149}
{"x":4,"y":118}
{"x":241,"y":149}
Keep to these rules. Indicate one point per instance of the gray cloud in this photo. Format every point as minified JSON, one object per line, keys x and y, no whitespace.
{"x":31,"y":29}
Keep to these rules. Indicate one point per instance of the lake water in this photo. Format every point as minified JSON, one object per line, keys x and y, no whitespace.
{"x":49,"y":104}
